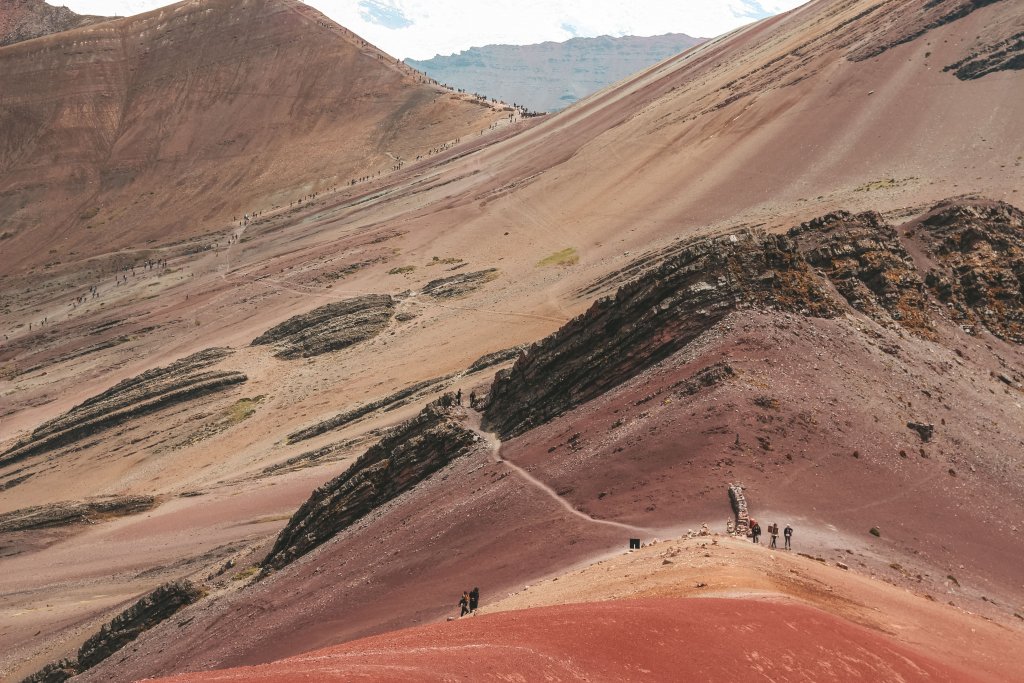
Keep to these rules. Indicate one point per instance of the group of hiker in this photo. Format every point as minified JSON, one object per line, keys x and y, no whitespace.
{"x":469,"y":602}
{"x":773,"y":532}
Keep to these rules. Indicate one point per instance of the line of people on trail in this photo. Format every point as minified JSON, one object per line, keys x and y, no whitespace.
{"x":469,"y":602}
{"x":773,"y":532}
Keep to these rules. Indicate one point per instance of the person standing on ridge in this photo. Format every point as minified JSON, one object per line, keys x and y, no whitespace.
{"x":788,"y":535}
{"x":774,"y":531}
{"x":458,"y":397}
{"x":474,"y":599}
{"x":464,"y":603}
{"x":755,"y":531}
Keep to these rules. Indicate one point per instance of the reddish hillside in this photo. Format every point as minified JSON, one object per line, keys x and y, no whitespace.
{"x":668,"y":640}
{"x":155,"y":128}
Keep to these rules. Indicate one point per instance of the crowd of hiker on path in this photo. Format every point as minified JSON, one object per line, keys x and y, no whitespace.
{"x":773,"y":533}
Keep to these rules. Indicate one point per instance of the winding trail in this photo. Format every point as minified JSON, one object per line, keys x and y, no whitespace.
{"x":494,"y":443}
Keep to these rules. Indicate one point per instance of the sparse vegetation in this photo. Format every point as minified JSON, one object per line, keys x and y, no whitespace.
{"x":245,"y":573}
{"x":875,"y":532}
{"x":565,"y":257}
{"x":401,"y":270}
{"x":242,"y":409}
{"x":450,"y":260}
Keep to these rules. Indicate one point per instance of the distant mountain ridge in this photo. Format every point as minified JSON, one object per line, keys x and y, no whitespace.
{"x":550,"y":76}
{"x":27,"y":19}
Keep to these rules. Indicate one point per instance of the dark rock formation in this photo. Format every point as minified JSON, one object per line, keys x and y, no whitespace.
{"x":868,"y":265}
{"x":143,"y":615}
{"x":58,"y":672}
{"x":978,"y":274}
{"x":907,"y":21}
{"x":330,"y":327}
{"x":155,"y":607}
{"x":650,"y":319}
{"x":972,"y":269}
{"x":408,"y":455}
{"x":72,"y":512}
{"x":551,"y":76}
{"x":459,"y":285}
{"x":1001,"y":55}
{"x":397,"y":399}
{"x":27,"y":19}
{"x":182,"y":380}
{"x":496,"y":358}
{"x":925,"y":431}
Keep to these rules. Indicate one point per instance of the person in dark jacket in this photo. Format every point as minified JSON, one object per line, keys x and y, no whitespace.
{"x":787,"y":533}
{"x":464,"y":603}
{"x":474,"y":599}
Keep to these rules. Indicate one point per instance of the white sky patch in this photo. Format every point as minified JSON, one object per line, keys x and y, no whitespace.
{"x":419,"y":29}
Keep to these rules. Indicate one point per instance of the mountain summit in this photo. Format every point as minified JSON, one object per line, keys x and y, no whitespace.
{"x":169,"y":124}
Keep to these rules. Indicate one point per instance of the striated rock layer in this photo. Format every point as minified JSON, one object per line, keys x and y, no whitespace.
{"x":331,"y":327}
{"x":153,"y":390}
{"x":969,"y":265}
{"x":152,"y":609}
{"x":412,"y":452}
{"x":651,"y":318}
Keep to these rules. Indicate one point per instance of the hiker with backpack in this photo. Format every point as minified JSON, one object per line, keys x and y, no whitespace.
{"x":755,"y":531}
{"x":464,"y":603}
{"x":788,"y":535}
{"x":774,"y":531}
{"x":474,"y":599}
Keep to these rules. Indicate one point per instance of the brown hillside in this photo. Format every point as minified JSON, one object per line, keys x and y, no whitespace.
{"x":158,"y":127}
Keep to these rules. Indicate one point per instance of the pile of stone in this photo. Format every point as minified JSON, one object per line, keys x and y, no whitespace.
{"x":741,"y":525}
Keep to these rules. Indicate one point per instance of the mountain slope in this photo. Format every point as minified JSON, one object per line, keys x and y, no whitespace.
{"x":174,"y":123}
{"x":862,"y":372}
{"x":551,"y":76}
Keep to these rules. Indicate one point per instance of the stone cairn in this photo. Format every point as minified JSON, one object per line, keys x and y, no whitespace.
{"x":741,"y":525}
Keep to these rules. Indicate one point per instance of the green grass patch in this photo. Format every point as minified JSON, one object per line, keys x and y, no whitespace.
{"x":566,"y":257}
{"x":242,"y":410}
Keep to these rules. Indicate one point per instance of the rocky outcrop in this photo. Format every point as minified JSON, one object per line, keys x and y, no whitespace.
{"x":73,"y":512}
{"x":153,"y":390}
{"x":496,"y":358}
{"x":331,"y":327}
{"x":152,"y":609}
{"x":650,"y":319}
{"x":971,"y":269}
{"x":58,"y":672}
{"x":551,"y":76}
{"x":27,"y":19}
{"x":1000,"y":55}
{"x":978,"y":270}
{"x":408,"y":455}
{"x":391,"y":401}
{"x":142,"y":616}
{"x":459,"y":285}
{"x":907,"y":21}
{"x":868,"y":265}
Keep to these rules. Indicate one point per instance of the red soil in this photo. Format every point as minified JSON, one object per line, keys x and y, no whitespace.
{"x":669,"y":639}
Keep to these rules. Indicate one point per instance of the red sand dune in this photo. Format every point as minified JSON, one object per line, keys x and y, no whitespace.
{"x":700,"y":639}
